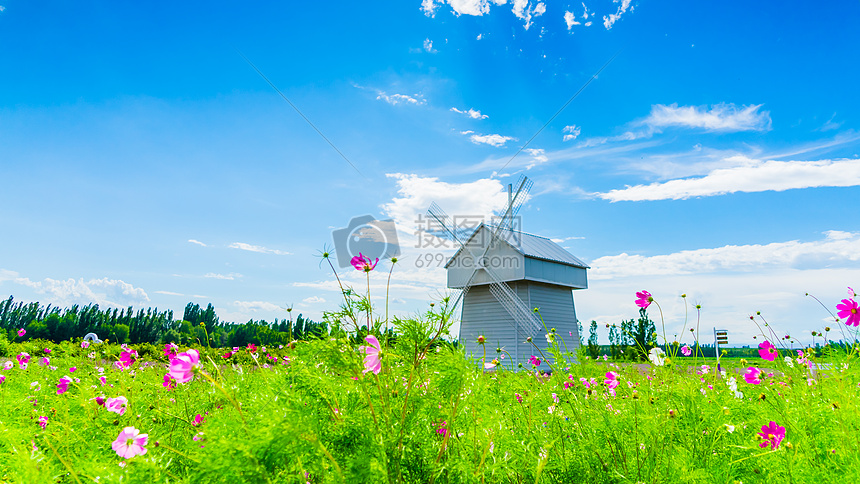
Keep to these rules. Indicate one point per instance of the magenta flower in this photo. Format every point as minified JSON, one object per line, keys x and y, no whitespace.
{"x":848,"y":310}
{"x":767,"y":350}
{"x":169,"y":383}
{"x":126,"y":358}
{"x":130,"y":443}
{"x":644,"y":299}
{"x":772,"y":435}
{"x":8,"y":365}
{"x":103,"y":380}
{"x":442,"y":430}
{"x":100,"y":401}
{"x":47,"y":350}
{"x":753,"y":376}
{"x":373,"y":361}
{"x":518,"y":397}
{"x":363,"y":263}
{"x":170,"y":350}
{"x":63,"y":386}
{"x":533,"y":360}
{"x":116,"y":405}
{"x":45,"y":361}
{"x":23,"y":359}
{"x":73,"y":369}
{"x":686,"y":351}
{"x":43,"y":421}
{"x":183,"y":365}
{"x":21,"y":332}
{"x":85,"y":344}
{"x":611,"y":381}
{"x":2,"y":379}
{"x":197,"y":420}
{"x":252,"y":347}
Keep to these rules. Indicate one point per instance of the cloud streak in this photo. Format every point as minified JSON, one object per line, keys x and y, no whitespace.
{"x":837,"y":248}
{"x":256,"y":248}
{"x":753,"y":176}
{"x":721,"y":117}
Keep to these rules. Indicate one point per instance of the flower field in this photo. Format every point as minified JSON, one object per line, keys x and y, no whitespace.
{"x":413,"y":408}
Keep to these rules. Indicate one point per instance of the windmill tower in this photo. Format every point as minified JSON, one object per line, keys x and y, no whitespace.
{"x":503,"y":274}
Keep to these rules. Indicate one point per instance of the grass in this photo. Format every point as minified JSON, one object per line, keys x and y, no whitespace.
{"x":430,"y":415}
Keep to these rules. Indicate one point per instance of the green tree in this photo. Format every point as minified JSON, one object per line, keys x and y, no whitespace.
{"x":593,"y":347}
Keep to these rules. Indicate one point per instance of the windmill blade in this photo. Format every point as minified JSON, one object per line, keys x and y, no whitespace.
{"x":523,"y":186}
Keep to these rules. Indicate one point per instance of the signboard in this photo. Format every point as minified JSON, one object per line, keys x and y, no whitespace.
{"x":721,"y":337}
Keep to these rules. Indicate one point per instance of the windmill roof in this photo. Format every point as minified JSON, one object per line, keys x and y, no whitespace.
{"x":535,"y":247}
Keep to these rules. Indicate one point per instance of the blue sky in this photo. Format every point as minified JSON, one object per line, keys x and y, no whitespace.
{"x":146,"y":163}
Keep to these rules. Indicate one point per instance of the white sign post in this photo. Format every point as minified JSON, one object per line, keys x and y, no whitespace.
{"x":721,"y":337}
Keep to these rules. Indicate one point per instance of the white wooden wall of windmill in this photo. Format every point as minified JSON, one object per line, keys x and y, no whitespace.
{"x":542,"y":276}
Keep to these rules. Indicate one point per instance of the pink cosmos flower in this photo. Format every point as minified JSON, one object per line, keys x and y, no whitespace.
{"x":48,"y":350}
{"x":183,"y":365}
{"x":772,"y":435}
{"x":8,"y":365}
{"x":767,"y":350}
{"x":644,"y":299}
{"x":130,"y":443}
{"x":753,"y":376}
{"x":533,"y":360}
{"x":43,"y":421}
{"x":252,"y":347}
{"x":116,"y":405}
{"x":2,"y":379}
{"x":126,"y":358}
{"x":197,"y":420}
{"x":63,"y":386}
{"x":518,"y":397}
{"x":85,"y":344}
{"x":363,"y":263}
{"x":611,"y":381}
{"x":169,"y":383}
{"x":45,"y":361}
{"x":372,"y":362}
{"x":73,"y":369}
{"x":170,"y":350}
{"x":21,"y":332}
{"x":103,"y":380}
{"x":23,"y":359}
{"x":100,"y":401}
{"x":492,"y":364}
{"x":686,"y":351}
{"x":849,"y":311}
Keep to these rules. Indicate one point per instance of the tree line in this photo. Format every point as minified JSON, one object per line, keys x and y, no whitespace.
{"x":148,"y":326}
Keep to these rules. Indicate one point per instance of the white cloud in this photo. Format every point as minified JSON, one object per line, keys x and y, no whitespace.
{"x":753,"y":176}
{"x":538,"y":157}
{"x":496,"y":140}
{"x":460,"y":7}
{"x":253,"y":306}
{"x":227,"y":277}
{"x":313,"y":300}
{"x":570,"y":20}
{"x":830,"y":125}
{"x":472,"y":113}
{"x":429,"y":7}
{"x":256,"y":248}
{"x":105,"y":292}
{"x":565,"y":239}
{"x":197,"y":242}
{"x":479,"y":37}
{"x":572,"y":132}
{"x":415,"y":194}
{"x":836,"y":248}
{"x":2,"y":8}
{"x":612,"y":18}
{"x":169,"y":293}
{"x":721,"y":117}
{"x":523,"y":11}
{"x":428,"y":46}
{"x":395,"y":99}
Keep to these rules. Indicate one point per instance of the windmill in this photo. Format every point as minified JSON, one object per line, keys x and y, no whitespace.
{"x":503,"y":274}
